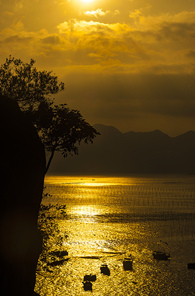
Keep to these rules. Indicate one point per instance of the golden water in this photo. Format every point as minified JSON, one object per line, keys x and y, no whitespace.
{"x":108,"y":218}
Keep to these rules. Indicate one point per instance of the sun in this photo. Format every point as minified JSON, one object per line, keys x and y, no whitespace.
{"x":87,"y":1}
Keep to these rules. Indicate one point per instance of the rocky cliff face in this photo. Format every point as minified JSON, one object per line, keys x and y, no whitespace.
{"x":22,"y":168}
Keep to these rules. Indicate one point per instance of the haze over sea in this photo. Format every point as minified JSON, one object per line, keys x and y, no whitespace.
{"x":108,"y":218}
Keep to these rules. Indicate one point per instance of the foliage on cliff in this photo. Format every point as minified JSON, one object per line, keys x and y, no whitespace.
{"x":59,"y":127}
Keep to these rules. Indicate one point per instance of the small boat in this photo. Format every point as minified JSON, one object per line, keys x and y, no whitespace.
{"x":87,"y":286}
{"x":191,"y":265}
{"x":104,"y":269}
{"x":128,"y":263}
{"x":57,"y":262}
{"x":59,"y":254}
{"x":162,"y":252}
{"x":159,"y":255}
{"x":89,"y":278}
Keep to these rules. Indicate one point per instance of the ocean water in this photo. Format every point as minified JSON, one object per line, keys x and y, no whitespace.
{"x":108,"y":218}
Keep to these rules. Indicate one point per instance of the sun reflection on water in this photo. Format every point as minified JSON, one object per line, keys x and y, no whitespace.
{"x":88,"y":181}
{"x":109,"y":218}
{"x":85,"y":210}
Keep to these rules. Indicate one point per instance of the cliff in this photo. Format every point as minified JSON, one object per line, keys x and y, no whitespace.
{"x":22,"y":174}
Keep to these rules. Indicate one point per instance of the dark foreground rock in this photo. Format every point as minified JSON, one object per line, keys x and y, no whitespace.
{"x":22,"y":166}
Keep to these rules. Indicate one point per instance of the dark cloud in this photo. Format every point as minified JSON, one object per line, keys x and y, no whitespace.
{"x":53,"y":39}
{"x":191,"y":54}
{"x":177,"y":31}
{"x":17,"y":39}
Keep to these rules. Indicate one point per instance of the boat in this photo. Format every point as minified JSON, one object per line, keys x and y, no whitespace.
{"x":87,"y":286}
{"x":89,"y":278}
{"x":128,"y":263}
{"x":159,"y":255}
{"x":191,"y":265}
{"x":162,"y":252}
{"x":104,"y":269}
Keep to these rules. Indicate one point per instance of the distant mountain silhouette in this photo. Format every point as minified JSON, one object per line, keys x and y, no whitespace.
{"x":114,"y":152}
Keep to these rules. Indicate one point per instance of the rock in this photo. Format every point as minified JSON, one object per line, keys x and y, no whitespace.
{"x":22,"y":168}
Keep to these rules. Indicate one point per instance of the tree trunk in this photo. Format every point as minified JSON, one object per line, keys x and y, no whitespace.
{"x":50,"y":159}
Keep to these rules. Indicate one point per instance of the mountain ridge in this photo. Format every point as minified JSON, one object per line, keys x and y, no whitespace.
{"x":114,"y":152}
{"x":157,"y":131}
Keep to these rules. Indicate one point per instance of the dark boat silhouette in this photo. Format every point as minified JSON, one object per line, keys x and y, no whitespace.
{"x":89,"y":278}
{"x":191,"y":265}
{"x":128,"y":263}
{"x":162,"y":252}
{"x":104,"y":269}
{"x":87,"y":286}
{"x":159,"y":255}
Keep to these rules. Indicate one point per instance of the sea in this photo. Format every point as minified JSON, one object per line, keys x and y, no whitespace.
{"x":108,"y":218}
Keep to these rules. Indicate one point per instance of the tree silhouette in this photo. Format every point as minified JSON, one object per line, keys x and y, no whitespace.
{"x":60,"y":128}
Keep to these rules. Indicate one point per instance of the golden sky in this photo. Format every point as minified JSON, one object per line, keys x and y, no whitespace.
{"x":126,"y":63}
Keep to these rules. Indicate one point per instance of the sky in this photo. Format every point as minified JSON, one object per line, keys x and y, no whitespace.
{"x":125,"y":63}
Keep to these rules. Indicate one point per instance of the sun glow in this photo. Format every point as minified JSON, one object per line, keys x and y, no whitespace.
{"x":87,"y":1}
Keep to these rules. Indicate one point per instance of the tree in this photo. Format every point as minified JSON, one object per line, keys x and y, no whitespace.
{"x":25,"y":84}
{"x":60,"y":128}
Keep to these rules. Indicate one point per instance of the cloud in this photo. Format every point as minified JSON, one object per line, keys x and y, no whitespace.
{"x":154,"y":43}
{"x":8,"y":14}
{"x":116,"y":12}
{"x":104,"y":44}
{"x":52,"y":39}
{"x":97,"y":13}
{"x":133,"y":66}
{"x":120,"y":47}
{"x":136,"y":15}
{"x":158,"y":49}
{"x":191,"y":54}
{"x":17,"y":39}
{"x":177,"y":31}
